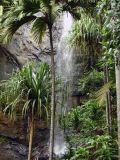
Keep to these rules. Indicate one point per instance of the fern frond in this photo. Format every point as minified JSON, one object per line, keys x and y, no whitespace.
{"x":101,"y":93}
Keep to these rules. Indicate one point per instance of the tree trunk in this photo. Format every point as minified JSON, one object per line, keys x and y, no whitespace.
{"x":31,"y":136}
{"x":117,"y":70}
{"x":108,"y":102}
{"x":51,"y":147}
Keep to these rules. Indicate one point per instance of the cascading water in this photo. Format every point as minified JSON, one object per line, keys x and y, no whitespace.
{"x":64,"y":71}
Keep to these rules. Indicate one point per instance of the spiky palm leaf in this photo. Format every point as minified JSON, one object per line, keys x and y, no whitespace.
{"x":13,"y":26}
{"x":85,"y":34}
{"x":10,"y":94}
{"x":29,"y":88}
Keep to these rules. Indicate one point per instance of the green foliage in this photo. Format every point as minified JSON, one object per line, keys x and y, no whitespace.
{"x":80,"y":153}
{"x":87,"y":139}
{"x":97,"y":148}
{"x":10,"y":93}
{"x":74,"y":118}
{"x":90,"y":82}
{"x":75,"y":6}
{"x":84,"y":122}
{"x":6,"y":2}
{"x":24,"y":11}
{"x":101,"y":93}
{"x":87,"y":117}
{"x":110,"y":30}
{"x":42,"y":14}
{"x":104,"y":149}
{"x":38,"y":27}
{"x":86,"y":35}
{"x":27,"y":90}
{"x":2,"y":139}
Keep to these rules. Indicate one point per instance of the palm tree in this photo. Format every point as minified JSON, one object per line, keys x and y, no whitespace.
{"x":30,"y":88}
{"x":24,"y":11}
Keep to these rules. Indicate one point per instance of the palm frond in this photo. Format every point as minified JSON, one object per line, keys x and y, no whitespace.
{"x":5,"y":2}
{"x":13,"y":26}
{"x":56,"y":10}
{"x":85,"y":32}
{"x":31,"y":6}
{"x":38,"y":29}
{"x":26,"y":108}
{"x":101,"y":93}
{"x":19,"y":13}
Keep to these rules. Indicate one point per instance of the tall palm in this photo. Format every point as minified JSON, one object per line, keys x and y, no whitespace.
{"x":27,"y":92}
{"x":24,"y":11}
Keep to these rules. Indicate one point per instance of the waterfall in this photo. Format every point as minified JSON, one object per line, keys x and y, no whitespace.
{"x":64,"y":71}
{"x":64,"y":52}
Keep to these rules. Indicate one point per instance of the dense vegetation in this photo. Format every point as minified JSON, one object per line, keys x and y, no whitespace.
{"x":27,"y":93}
{"x":91,"y":128}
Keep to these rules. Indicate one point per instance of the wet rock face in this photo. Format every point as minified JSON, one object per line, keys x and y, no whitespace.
{"x":5,"y":68}
{"x":10,"y":150}
{"x":15,"y":149}
{"x":6,"y":64}
{"x":14,"y":145}
{"x":25,"y":48}
{"x":18,"y":130}
{"x":11,"y":130}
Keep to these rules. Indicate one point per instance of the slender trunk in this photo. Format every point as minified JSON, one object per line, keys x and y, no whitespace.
{"x":31,"y":136}
{"x":117,"y":70}
{"x":1,"y":10}
{"x":108,"y":103}
{"x":51,"y":147}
